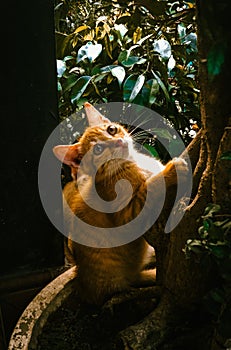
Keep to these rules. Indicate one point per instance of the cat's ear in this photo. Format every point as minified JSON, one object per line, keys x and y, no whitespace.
{"x":68,"y":154}
{"x":94,"y":117}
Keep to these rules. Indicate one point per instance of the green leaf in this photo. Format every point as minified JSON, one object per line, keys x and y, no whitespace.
{"x":89,"y":51}
{"x":227,"y":226}
{"x":99,"y":77}
{"x":139,"y":100}
{"x":202,"y":232}
{"x":207,"y":224}
{"x":133,"y":60}
{"x":163,"y":47}
{"x":171,"y":63}
{"x":119,"y":73}
{"x":195,"y":246}
{"x":70,"y":82}
{"x":116,"y":71}
{"x":68,"y":58}
{"x":121,"y":29}
{"x":144,"y":38}
{"x":220,"y":250}
{"x":151,"y":150}
{"x":181,"y":31}
{"x":137,"y":87}
{"x":150,"y":91}
{"x":108,"y":69}
{"x":191,"y":41}
{"x":81,"y":101}
{"x":210,"y":210}
{"x":79,"y":88}
{"x":132,"y":86}
{"x":59,"y":86}
{"x":163,"y":133}
{"x":96,"y":69}
{"x":163,"y":87}
{"x":61,"y":67}
{"x":123,"y":56}
{"x":226,"y":156}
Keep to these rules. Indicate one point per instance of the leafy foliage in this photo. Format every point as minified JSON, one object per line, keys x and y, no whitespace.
{"x":215,"y":243}
{"x":115,"y":51}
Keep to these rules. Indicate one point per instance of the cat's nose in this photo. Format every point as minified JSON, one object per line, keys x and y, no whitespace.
{"x":121,"y":143}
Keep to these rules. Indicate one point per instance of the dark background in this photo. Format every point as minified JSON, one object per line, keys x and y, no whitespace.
{"x":29,"y":244}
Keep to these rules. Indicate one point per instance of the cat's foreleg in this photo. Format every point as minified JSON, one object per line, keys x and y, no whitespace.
{"x":175,"y":171}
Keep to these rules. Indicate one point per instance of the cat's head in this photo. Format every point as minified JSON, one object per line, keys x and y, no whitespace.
{"x":101,"y":143}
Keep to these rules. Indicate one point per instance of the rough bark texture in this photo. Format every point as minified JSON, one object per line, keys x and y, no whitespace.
{"x":183,"y":281}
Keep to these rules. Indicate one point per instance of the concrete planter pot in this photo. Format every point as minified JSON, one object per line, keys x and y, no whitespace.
{"x":34,"y":318}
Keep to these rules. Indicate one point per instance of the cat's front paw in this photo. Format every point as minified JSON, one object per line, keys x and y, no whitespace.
{"x":181,"y":165}
{"x":176,"y":171}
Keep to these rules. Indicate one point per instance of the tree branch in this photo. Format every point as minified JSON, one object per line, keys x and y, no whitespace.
{"x":193,"y":149}
{"x":221,"y":192}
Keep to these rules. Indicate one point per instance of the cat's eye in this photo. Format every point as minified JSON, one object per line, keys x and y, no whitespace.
{"x":98,"y":149}
{"x":112,"y":129}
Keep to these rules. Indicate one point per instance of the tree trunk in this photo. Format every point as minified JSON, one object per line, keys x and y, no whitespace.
{"x":183,"y":281}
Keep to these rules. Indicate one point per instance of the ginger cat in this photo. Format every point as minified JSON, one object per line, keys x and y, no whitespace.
{"x":106,"y":155}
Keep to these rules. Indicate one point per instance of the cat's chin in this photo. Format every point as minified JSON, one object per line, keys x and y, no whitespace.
{"x":113,"y":167}
{"x":122,"y":154}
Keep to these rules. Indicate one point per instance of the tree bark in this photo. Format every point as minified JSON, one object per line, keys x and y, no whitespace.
{"x":183,"y":281}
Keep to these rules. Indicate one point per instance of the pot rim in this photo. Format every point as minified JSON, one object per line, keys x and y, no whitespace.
{"x":34,"y":317}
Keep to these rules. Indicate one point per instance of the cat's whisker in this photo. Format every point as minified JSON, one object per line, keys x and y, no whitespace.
{"x":140,"y":135}
{"x":133,"y":132}
{"x":140,"y":116}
